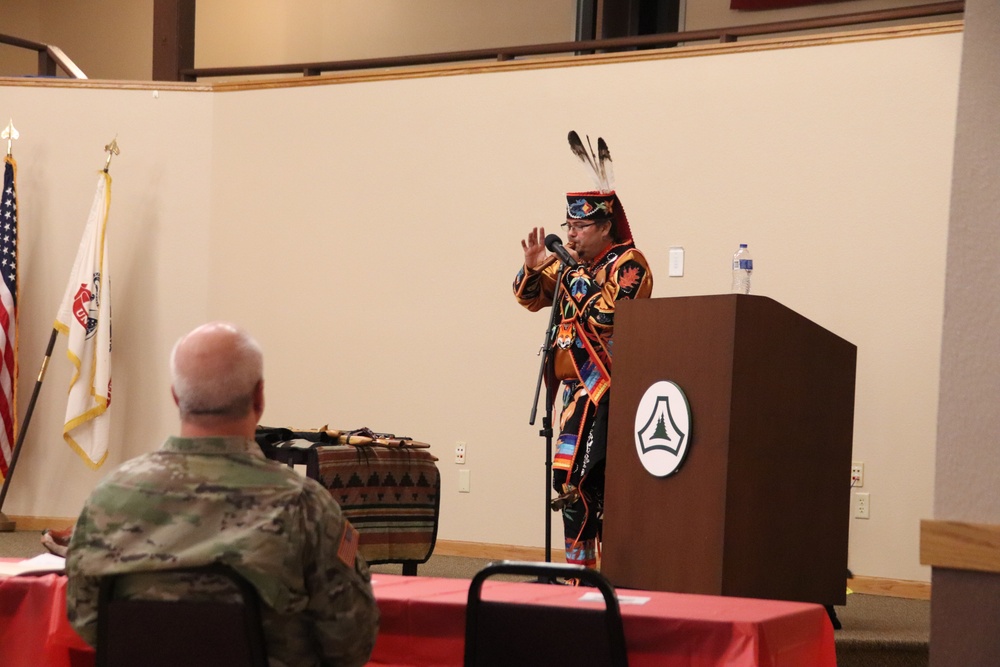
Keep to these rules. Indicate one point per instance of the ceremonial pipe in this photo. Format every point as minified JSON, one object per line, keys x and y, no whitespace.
{"x":6,"y":525}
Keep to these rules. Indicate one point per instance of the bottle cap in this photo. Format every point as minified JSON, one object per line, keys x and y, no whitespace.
{"x":743,"y":245}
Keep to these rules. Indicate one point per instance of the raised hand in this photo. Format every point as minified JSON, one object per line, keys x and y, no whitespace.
{"x":535,"y":253}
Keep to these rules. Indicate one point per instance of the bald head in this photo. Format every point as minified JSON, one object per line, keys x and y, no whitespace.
{"x":217,"y":374}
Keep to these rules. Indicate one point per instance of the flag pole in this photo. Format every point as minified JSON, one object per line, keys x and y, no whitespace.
{"x":7,"y":525}
{"x":111,"y":149}
{"x":10,"y":134}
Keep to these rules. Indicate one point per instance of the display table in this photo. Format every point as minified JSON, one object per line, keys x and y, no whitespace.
{"x":423,"y":625}
{"x":392,"y":495}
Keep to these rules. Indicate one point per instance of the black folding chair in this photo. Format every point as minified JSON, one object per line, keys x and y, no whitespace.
{"x":501,"y":634}
{"x":182,"y":633}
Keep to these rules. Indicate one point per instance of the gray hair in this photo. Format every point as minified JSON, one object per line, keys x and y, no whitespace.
{"x":220,"y":382}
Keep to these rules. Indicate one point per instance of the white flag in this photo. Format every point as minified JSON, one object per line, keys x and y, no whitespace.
{"x":85,"y":317}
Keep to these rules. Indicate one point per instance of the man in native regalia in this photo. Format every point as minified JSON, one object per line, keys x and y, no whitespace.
{"x":608,"y":268}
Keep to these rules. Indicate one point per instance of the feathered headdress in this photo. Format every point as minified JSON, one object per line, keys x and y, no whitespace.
{"x":601,"y":203}
{"x":599,"y":166}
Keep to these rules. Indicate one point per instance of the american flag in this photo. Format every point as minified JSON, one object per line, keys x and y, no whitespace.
{"x":8,"y":312}
{"x":348,"y":548}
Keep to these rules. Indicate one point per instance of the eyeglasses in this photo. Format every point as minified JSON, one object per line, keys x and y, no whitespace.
{"x":576,"y":227}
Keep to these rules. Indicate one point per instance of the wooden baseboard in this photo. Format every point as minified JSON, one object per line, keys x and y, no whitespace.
{"x":42,"y":522}
{"x":895,"y":588}
{"x":960,"y":545}
{"x":899,"y":588}
{"x":495,"y":551}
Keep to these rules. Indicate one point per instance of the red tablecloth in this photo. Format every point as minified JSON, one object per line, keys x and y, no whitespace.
{"x":423,"y":625}
{"x":34,"y":631}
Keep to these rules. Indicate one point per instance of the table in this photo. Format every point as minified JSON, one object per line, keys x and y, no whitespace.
{"x":34,"y":631}
{"x":423,"y":625}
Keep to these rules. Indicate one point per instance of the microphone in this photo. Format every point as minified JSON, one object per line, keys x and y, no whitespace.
{"x":554,"y":244}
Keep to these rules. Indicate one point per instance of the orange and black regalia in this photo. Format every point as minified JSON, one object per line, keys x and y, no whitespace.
{"x":582,"y":346}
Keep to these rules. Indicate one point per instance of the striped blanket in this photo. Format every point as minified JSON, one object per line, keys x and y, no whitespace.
{"x":392,"y":495}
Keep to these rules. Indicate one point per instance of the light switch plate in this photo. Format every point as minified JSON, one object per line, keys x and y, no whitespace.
{"x":676,"y":262}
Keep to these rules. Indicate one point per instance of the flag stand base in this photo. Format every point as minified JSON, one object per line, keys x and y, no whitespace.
{"x":6,"y":525}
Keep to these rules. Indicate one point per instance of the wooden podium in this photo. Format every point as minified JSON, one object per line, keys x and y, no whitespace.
{"x":761,"y":504}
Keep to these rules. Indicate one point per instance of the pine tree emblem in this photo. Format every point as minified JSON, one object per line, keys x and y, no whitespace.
{"x":661,"y":431}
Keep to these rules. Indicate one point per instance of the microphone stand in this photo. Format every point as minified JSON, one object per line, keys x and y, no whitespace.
{"x":546,"y":432}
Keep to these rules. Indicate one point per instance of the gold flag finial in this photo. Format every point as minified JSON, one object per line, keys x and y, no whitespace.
{"x":10,"y":134}
{"x":111,"y":149}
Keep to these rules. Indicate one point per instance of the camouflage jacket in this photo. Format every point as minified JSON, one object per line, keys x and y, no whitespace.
{"x":198,"y":501}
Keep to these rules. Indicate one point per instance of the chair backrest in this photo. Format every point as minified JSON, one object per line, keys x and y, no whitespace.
{"x":182,"y":633}
{"x":506,"y":633}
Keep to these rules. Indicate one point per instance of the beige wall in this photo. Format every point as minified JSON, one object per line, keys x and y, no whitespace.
{"x":970,"y":371}
{"x":159,"y":248}
{"x":963,"y":631}
{"x":368,"y":234}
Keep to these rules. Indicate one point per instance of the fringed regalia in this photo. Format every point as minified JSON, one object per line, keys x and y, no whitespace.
{"x":581,"y":359}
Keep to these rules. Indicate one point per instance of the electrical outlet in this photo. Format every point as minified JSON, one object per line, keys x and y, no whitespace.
{"x":861,"y":505}
{"x":464,"y":480}
{"x":460,"y":453}
{"x":857,"y":474}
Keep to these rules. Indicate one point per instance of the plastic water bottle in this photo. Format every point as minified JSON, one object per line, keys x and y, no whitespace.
{"x":742,"y":268}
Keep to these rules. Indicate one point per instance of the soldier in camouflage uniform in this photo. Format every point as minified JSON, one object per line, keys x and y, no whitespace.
{"x":210,"y":496}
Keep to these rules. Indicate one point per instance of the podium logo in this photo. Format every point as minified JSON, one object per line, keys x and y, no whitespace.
{"x":662,"y":428}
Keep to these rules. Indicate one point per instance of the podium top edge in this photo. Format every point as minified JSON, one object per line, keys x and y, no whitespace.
{"x":739,"y":302}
